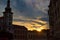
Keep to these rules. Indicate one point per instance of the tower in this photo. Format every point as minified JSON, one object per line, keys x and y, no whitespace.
{"x":6,"y":21}
{"x":54,"y":19}
{"x":8,"y":15}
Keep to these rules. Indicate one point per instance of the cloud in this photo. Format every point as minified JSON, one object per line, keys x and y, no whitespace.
{"x":28,"y":12}
{"x":31,"y":25}
{"x":25,"y":7}
{"x":41,"y":5}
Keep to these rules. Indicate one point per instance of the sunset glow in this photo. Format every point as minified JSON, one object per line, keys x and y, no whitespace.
{"x":40,"y":29}
{"x":31,"y":27}
{"x":33,"y":14}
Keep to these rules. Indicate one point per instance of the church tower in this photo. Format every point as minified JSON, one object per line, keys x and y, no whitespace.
{"x":8,"y":15}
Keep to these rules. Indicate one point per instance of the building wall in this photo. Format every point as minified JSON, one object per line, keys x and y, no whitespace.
{"x":54,"y":18}
{"x":20,"y":33}
{"x":1,"y":22}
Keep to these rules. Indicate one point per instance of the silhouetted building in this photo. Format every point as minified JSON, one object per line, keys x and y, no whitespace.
{"x":6,"y":19}
{"x":34,"y":35}
{"x":20,"y":32}
{"x":8,"y":31}
{"x":1,"y":23}
{"x":54,"y":19}
{"x":4,"y":35}
{"x":8,"y":15}
{"x":5,"y":22}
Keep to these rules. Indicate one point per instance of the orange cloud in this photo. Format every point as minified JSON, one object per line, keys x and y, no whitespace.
{"x":32,"y":25}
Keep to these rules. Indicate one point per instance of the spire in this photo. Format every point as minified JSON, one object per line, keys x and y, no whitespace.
{"x":8,"y":3}
{"x":8,"y":9}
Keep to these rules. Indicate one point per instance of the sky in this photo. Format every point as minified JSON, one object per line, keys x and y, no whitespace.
{"x":33,"y":14}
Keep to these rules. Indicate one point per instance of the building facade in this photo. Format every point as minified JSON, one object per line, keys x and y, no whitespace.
{"x":54,"y":19}
{"x":20,"y":32}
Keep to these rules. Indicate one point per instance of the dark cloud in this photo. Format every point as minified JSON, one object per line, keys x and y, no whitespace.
{"x":24,"y":9}
{"x":45,"y":19}
{"x":3,"y":2}
{"x":20,"y":8}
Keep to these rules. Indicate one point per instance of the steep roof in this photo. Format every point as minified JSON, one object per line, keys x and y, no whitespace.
{"x":19,"y":27}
